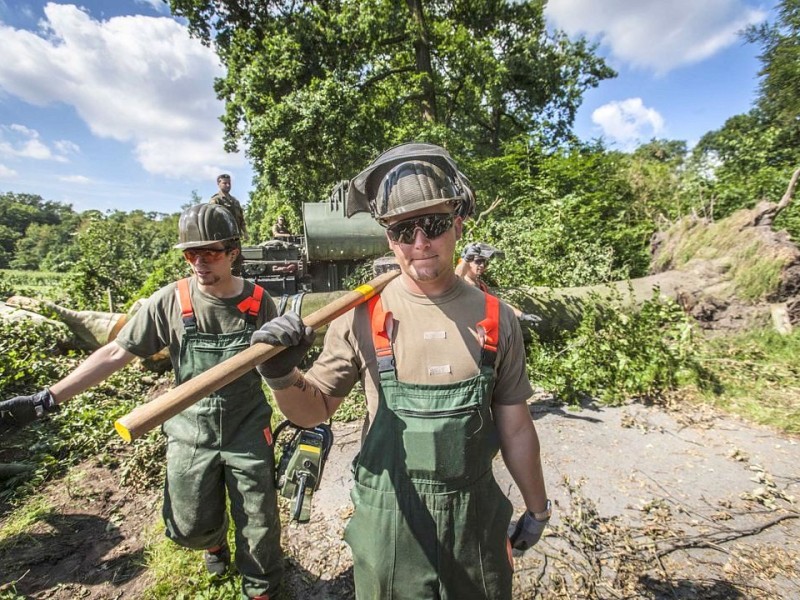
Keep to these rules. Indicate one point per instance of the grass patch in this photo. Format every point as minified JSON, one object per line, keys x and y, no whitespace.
{"x":180,"y":573}
{"x":759,"y":377}
{"x":22,"y":519}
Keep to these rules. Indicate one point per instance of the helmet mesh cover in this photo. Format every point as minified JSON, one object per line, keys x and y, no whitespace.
{"x":412,"y":186}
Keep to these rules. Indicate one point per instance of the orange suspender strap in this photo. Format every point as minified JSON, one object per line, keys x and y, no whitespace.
{"x":383,"y":347}
{"x":491,"y":329}
{"x":380,"y":337}
{"x":185,"y":301}
{"x":252,"y":304}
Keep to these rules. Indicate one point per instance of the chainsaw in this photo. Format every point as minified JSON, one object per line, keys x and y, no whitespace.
{"x":303,"y":455}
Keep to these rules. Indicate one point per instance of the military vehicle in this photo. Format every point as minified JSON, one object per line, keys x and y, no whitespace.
{"x":331,"y":249}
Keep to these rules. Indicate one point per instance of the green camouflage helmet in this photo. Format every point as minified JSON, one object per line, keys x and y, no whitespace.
{"x":409,"y":177}
{"x":204,"y":224}
{"x":480,"y":250}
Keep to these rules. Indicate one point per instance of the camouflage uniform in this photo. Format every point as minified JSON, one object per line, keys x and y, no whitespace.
{"x":232,"y":204}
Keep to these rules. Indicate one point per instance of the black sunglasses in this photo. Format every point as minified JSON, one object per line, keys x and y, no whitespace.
{"x":432,"y":225}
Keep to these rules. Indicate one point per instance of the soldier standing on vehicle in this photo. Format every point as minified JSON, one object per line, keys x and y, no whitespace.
{"x":443,"y":368}
{"x":224,"y":198}
{"x":221,"y":444}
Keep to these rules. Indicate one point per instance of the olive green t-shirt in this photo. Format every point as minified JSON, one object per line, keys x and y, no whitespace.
{"x":436,"y":340}
{"x":158,"y":323}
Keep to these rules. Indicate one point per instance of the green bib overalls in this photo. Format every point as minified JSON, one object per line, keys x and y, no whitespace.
{"x":224,"y":442}
{"x":430,"y":520}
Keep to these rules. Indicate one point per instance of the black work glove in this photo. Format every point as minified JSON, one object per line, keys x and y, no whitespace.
{"x":287,"y":330}
{"x":525,"y":533}
{"x":22,"y":410}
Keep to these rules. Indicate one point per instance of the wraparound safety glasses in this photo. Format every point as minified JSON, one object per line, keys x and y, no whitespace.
{"x":209,"y":255}
{"x":432,"y":225}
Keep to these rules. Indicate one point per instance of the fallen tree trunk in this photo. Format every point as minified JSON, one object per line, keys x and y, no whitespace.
{"x":730,"y":275}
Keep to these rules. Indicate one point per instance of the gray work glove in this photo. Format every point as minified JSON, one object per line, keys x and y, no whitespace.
{"x":530,"y":318}
{"x":287,"y":330}
{"x":22,"y":410}
{"x":525,"y":533}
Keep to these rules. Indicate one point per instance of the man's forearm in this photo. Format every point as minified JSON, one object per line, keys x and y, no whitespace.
{"x":96,"y":368}
{"x":303,"y":403}
{"x":524,"y":464}
{"x":519,"y":445}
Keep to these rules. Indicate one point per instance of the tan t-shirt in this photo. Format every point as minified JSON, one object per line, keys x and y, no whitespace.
{"x":158,"y":324}
{"x":435,"y":341}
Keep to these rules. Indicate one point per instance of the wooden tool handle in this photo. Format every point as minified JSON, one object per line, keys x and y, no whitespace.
{"x":146,"y":416}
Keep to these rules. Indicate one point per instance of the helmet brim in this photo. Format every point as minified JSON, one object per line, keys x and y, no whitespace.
{"x":199,"y":244}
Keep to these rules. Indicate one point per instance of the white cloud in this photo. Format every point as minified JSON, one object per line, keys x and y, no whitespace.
{"x":6,"y":172}
{"x":134,"y":79}
{"x":66,"y":147}
{"x":657,"y":35}
{"x":18,"y":141}
{"x":79,"y":179}
{"x":628,"y":122}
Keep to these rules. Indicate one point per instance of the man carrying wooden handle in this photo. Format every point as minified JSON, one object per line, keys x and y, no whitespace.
{"x":443,"y":369}
{"x":222,"y":445}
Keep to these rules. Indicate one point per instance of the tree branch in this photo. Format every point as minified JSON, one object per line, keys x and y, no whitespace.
{"x":386,"y":74}
{"x":787,"y":197}
{"x":497,"y":202}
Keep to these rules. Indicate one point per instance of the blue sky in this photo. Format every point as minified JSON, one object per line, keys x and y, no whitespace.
{"x":110,"y":106}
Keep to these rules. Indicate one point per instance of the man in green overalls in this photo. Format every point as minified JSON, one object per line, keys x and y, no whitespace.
{"x":222,"y":445}
{"x":443,"y":368}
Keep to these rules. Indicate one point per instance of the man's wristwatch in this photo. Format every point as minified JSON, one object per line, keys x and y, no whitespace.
{"x":545,"y":514}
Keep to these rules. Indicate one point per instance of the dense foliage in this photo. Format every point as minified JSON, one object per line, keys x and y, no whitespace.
{"x":116,"y":255}
{"x":616,"y":355}
{"x":314,"y":89}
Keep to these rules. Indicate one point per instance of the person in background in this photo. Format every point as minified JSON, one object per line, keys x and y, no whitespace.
{"x":280,"y":230}
{"x":442,"y":365}
{"x":219,"y":450}
{"x":472,"y":265}
{"x":473,"y":262}
{"x":224,"y":198}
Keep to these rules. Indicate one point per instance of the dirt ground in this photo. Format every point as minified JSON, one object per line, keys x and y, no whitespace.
{"x":648,"y":503}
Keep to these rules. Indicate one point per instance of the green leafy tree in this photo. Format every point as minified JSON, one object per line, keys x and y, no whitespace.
{"x":48,"y":247}
{"x":752,"y":157}
{"x":17,"y":213}
{"x":780,"y":59}
{"x":316,"y":89}
{"x":117,"y":253}
{"x":565,"y":218}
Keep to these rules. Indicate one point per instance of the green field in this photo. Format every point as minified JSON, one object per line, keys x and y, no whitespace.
{"x":35,"y":284}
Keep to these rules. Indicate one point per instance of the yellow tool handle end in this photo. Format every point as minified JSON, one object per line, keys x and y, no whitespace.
{"x":123,"y":431}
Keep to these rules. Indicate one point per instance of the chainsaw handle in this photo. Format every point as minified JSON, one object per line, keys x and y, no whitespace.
{"x":301,"y":494}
